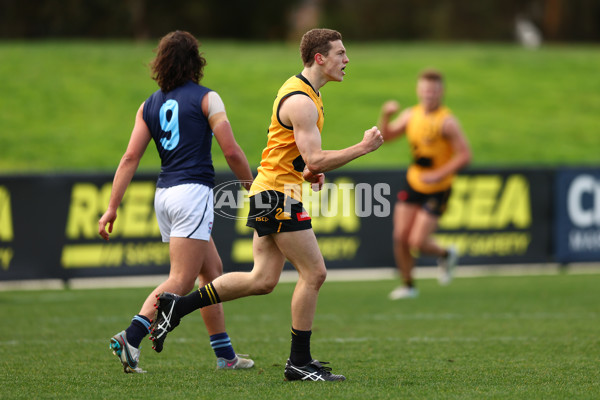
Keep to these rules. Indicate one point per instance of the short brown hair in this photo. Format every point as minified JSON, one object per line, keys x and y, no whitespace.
{"x":431,"y":74}
{"x":177,"y":61}
{"x":317,"y":41}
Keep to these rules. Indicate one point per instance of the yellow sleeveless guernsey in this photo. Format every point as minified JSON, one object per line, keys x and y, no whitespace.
{"x":282,"y":165}
{"x":429,"y":148}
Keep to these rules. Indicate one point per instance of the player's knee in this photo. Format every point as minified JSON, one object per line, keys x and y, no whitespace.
{"x":321,"y":275}
{"x":316,"y":277}
{"x":415,"y":243}
{"x":320,"y":279}
{"x":400,"y":238}
{"x":182,"y":285}
{"x":264,"y":287}
{"x":264,"y":284}
{"x":210,"y":272}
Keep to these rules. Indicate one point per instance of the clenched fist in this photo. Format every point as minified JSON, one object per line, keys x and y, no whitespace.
{"x":316,"y":181}
{"x":372,"y":139}
{"x":390,"y":107}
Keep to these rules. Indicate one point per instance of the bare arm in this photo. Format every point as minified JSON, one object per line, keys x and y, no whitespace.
{"x":301,"y":113}
{"x":391,"y":129}
{"x":140,"y":137}
{"x":236,"y":159}
{"x":234,"y":155}
{"x":462,"y":152}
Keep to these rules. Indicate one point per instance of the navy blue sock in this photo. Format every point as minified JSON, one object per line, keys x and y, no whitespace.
{"x":137,"y":330}
{"x":300,"y":353}
{"x":221,"y":344}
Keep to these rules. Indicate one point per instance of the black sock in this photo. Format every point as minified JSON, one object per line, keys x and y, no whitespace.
{"x":300,"y":353}
{"x":204,"y":296}
{"x":137,"y":330}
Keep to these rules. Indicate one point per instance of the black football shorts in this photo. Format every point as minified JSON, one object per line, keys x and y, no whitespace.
{"x":434,"y":203}
{"x":273,"y":212}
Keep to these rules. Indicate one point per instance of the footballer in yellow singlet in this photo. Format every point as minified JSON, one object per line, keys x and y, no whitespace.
{"x":430,"y":149}
{"x":439,"y":150}
{"x":282,"y":165}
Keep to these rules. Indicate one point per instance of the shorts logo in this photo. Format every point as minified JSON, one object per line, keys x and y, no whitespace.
{"x":262,"y":219}
{"x":402,"y":195}
{"x":432,"y":204}
{"x":282,"y":215}
{"x":303,"y":216}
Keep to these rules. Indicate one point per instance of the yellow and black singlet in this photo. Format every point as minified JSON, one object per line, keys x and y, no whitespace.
{"x":281,"y":165}
{"x":429,"y":148}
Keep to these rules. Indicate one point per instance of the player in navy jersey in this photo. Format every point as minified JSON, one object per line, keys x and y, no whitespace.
{"x":181,"y":118}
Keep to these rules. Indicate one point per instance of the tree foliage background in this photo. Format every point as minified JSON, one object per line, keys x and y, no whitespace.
{"x":476,"y":20}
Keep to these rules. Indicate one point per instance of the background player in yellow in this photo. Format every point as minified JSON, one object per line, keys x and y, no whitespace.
{"x":439,"y":149}
{"x":283,"y":228}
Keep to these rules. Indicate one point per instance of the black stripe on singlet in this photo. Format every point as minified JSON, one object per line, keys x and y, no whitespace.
{"x":303,"y":79}
{"x":281,"y":102}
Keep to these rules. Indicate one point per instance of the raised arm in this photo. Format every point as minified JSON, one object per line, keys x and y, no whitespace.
{"x":300,"y":112}
{"x":391,"y":129}
{"x":214,"y":108}
{"x":140,"y":137}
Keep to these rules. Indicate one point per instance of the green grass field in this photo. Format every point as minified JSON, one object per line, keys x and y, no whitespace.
{"x":70,"y":105}
{"x":493,"y":338}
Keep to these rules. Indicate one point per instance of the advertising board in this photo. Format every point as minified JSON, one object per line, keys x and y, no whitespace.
{"x":49,"y":223}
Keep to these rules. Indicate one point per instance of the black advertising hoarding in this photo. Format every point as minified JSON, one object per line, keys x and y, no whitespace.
{"x":351,"y":217}
{"x":577,"y":235}
{"x":500,"y":216}
{"x":49,"y":223}
{"x":493,"y":217}
{"x":135,"y":246}
{"x":53,"y":228}
{"x":32,"y":214}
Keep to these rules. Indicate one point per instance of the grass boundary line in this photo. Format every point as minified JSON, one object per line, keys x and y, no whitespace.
{"x":333,"y":275}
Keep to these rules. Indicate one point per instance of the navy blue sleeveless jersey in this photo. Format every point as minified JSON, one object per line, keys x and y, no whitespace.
{"x":182,"y":135}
